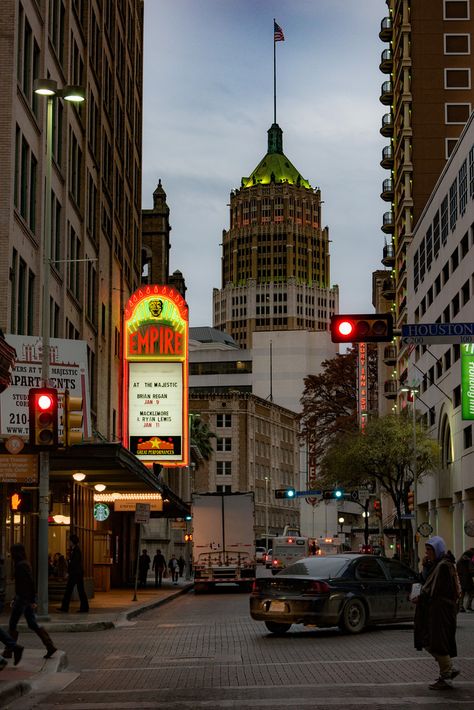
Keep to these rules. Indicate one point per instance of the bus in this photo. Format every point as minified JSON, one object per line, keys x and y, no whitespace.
{"x":288,"y":549}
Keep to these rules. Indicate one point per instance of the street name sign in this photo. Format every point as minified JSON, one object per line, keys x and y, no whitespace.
{"x":302,"y":494}
{"x":432,"y":333}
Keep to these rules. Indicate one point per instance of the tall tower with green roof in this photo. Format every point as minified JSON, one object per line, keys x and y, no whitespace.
{"x":275,"y":255}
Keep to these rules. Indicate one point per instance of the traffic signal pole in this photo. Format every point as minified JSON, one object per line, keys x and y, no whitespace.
{"x":43,"y":502}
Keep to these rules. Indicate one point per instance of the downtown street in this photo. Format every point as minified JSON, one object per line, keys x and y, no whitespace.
{"x":204,"y":651}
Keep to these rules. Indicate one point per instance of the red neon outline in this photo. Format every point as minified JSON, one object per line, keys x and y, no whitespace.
{"x":135,"y":299}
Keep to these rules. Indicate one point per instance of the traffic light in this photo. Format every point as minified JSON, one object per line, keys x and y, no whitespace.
{"x":285,"y":493}
{"x":43,"y":410}
{"x":188,"y":537}
{"x":360,"y":328}
{"x":335,"y":494}
{"x":377,"y":506}
{"x":188,"y":517}
{"x":23,"y":502}
{"x":72,"y":419}
{"x":411,"y":501}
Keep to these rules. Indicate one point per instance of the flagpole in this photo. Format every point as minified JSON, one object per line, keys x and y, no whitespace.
{"x":274,"y":76}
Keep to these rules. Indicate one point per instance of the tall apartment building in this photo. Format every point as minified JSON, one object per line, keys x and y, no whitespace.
{"x":275,"y":255}
{"x":428,"y":92}
{"x":95,"y":260}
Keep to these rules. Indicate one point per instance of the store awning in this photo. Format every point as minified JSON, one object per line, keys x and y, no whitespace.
{"x":116,"y":467}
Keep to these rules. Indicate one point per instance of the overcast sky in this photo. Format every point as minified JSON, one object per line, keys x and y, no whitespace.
{"x":208,"y":103}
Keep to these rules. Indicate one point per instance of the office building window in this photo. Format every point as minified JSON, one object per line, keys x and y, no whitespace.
{"x":456,"y":113}
{"x":224,"y":443}
{"x":224,"y":468}
{"x":56,"y":27}
{"x":224,"y":421}
{"x":55,"y":232}
{"x":467,"y":436}
{"x":463,"y":187}
{"x":456,"y":10}
{"x":457,"y":78}
{"x":91,"y":293}
{"x":26,"y":172}
{"x":75,"y":168}
{"x":436,"y":235}
{"x":223,"y":489}
{"x":453,"y":204}
{"x":457,"y":44}
{"x":73,"y":254}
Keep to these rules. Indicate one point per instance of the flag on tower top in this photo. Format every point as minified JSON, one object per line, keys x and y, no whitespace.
{"x":278,"y":35}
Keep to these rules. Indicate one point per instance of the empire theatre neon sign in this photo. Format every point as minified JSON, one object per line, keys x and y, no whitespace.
{"x":156,"y":376}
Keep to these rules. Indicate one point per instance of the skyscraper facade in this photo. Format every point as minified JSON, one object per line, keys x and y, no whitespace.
{"x":275,"y":255}
{"x":428,"y":64}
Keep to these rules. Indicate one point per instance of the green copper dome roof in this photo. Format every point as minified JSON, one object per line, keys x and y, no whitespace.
{"x":275,"y":166}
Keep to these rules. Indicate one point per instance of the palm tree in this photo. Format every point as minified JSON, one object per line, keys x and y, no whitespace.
{"x":201,"y":445}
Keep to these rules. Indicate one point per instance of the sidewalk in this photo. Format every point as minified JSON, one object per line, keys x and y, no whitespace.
{"x":107,"y":610}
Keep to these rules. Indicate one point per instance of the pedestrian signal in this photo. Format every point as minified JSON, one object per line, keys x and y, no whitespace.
{"x":360,"y":328}
{"x":23,"y":502}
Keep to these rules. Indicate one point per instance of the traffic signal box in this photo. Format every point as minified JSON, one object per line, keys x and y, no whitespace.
{"x":285,"y":493}
{"x":377,"y":508}
{"x":334,"y":494}
{"x":73,"y":417}
{"x":411,"y":501}
{"x":188,"y":537}
{"x":23,"y":501}
{"x":43,"y":410}
{"x":360,"y":328}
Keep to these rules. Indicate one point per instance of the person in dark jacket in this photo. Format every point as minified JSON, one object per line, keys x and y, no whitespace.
{"x":12,"y":648}
{"x":144,"y":562}
{"x":75,"y":578}
{"x":159,"y":566}
{"x":465,"y":570}
{"x":25,"y":600}
{"x":435,"y":615}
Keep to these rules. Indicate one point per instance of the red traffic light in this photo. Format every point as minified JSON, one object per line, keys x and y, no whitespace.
{"x":44,"y":401}
{"x":362,"y":328}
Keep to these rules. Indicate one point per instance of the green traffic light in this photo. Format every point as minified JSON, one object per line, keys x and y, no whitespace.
{"x":290,"y":493}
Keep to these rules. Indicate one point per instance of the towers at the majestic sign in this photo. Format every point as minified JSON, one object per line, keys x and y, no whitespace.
{"x":275,"y":261}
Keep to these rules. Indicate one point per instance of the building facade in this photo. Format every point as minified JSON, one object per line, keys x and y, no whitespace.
{"x":440,"y":275}
{"x":428,"y":91}
{"x":275,"y":255}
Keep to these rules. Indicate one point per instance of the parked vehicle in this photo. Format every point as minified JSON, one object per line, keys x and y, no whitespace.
{"x":345,"y":590}
{"x":268,"y":559}
{"x":223,"y":539}
{"x":260,"y":554}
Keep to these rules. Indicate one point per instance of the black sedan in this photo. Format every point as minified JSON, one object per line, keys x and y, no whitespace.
{"x":346,"y":590}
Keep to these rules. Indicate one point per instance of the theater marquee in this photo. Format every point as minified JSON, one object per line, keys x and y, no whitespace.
{"x":156,"y":376}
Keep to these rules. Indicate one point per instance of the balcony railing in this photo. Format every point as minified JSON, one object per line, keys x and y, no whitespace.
{"x":387,"y":157}
{"x":390,"y":388}
{"x":386,"y":29}
{"x":387,"y":190}
{"x":388,"y":258}
{"x":387,"y":125}
{"x":390,"y":355}
{"x":386,"y":93}
{"x":386,"y":61}
{"x":388,"y":223}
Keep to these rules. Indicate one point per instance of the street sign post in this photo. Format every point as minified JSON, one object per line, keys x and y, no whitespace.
{"x":433,"y":333}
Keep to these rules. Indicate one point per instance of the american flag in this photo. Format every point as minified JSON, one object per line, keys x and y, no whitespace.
{"x":278,"y":35}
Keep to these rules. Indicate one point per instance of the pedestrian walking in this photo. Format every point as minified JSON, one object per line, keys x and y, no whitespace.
{"x":465,"y":570}
{"x":174,"y":569}
{"x":75,"y":578}
{"x":159,"y":566}
{"x":181,"y":565}
{"x":24,"y":601}
{"x":12,"y":648}
{"x":144,"y":562}
{"x":435,"y":615}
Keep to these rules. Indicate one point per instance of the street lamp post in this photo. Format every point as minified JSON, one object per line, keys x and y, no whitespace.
{"x":48,"y":88}
{"x":413,"y":390}
{"x":341,"y":521}
{"x":267,"y":482}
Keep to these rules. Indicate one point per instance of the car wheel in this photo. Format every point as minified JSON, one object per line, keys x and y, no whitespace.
{"x":276,"y":628}
{"x":354,"y":616}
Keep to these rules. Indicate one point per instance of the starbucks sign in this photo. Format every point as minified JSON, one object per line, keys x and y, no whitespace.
{"x":101,"y":512}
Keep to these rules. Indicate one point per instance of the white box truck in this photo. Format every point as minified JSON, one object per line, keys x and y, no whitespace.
{"x":223,"y":539}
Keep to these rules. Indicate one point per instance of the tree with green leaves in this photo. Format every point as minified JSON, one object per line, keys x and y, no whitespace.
{"x":201,"y":444}
{"x":384,"y":452}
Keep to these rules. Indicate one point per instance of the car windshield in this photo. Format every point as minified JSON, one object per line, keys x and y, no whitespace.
{"x":321,"y":567}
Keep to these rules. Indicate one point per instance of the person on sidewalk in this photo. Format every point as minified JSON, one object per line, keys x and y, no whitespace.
{"x":465,"y":570}
{"x":25,"y":600}
{"x":12,"y":648}
{"x":159,"y":566}
{"x":435,"y":614}
{"x":181,"y":565}
{"x":75,"y":578}
{"x":144,"y":562}
{"x":174,"y":569}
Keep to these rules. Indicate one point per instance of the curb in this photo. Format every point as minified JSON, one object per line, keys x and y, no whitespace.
{"x":132,"y":613}
{"x":14,"y":689}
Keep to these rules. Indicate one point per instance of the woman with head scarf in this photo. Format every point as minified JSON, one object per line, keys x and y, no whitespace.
{"x":435,"y":616}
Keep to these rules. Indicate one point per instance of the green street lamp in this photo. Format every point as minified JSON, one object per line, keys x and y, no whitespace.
{"x":76,"y":94}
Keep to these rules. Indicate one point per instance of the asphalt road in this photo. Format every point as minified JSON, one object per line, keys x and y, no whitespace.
{"x":206,"y":652}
